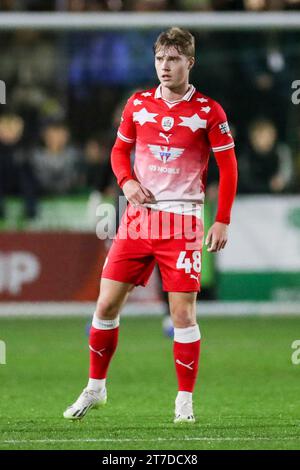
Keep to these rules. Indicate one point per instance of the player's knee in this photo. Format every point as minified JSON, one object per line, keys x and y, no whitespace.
{"x":183,"y":317}
{"x":106,"y":309}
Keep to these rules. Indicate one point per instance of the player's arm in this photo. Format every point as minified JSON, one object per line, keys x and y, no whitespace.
{"x":218,"y":233}
{"x":223,"y":148}
{"x":134,"y":192}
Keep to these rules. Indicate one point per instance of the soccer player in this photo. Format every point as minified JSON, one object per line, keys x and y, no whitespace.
{"x":173,"y":127}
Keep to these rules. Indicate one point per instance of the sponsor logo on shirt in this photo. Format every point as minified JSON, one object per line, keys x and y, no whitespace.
{"x":165,"y":154}
{"x":164,"y":169}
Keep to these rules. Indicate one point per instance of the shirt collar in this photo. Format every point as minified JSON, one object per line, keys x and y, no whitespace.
{"x":186,"y":97}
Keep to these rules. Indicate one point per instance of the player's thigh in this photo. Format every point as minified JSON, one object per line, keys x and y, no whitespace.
{"x":112,"y":296}
{"x":129,"y":262}
{"x":183,"y":308}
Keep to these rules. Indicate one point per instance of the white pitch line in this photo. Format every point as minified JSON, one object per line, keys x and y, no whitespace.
{"x":162,"y":439}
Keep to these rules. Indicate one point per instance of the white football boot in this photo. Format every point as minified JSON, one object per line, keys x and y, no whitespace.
{"x":87,"y":400}
{"x":184,"y":411}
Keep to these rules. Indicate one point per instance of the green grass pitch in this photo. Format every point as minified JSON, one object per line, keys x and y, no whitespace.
{"x":247,"y":395}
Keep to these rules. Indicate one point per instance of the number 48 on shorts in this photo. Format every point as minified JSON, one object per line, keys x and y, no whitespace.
{"x":187,"y":263}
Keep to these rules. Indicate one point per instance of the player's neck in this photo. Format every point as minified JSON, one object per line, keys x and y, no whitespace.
{"x":174,"y":94}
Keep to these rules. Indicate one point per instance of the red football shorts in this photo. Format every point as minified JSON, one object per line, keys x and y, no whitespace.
{"x":146,"y":237}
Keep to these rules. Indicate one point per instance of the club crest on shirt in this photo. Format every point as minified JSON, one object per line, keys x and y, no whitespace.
{"x":167,"y":123}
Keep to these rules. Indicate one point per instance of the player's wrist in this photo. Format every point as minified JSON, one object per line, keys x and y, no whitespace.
{"x":223,"y":220}
{"x":124,"y":180}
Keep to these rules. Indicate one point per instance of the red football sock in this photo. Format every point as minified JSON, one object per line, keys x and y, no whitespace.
{"x":186,"y":356}
{"x":103,"y":343}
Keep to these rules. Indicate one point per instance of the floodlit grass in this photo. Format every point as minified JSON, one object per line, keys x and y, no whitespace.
{"x":247,"y":396}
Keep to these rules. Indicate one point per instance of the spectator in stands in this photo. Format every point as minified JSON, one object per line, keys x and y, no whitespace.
{"x":31,"y":66}
{"x":14,"y":161}
{"x":98,"y":173}
{"x":57,"y":167}
{"x":29,"y":59}
{"x":11,"y":131}
{"x":266,"y":71}
{"x":97,"y":163}
{"x":265,"y":165}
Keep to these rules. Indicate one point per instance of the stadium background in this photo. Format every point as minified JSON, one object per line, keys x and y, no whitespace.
{"x":67,"y":79}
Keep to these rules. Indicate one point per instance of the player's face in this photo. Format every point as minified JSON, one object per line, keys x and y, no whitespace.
{"x":172,"y":68}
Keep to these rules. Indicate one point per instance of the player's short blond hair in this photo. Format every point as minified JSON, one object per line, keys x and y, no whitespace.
{"x":181,"y":39}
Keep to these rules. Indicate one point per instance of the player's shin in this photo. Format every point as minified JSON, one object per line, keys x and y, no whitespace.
{"x":103,"y":343}
{"x":186,"y":356}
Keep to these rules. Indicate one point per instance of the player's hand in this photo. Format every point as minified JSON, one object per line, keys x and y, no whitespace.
{"x":137,"y":194}
{"x":217,"y":237}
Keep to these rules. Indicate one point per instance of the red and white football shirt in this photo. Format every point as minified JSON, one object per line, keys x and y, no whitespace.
{"x":173,"y":142}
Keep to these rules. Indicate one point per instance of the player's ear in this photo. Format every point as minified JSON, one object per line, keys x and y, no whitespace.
{"x":191,"y":62}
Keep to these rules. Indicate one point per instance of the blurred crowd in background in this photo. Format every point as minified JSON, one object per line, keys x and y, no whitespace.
{"x":147,"y":5}
{"x":66,"y":92}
